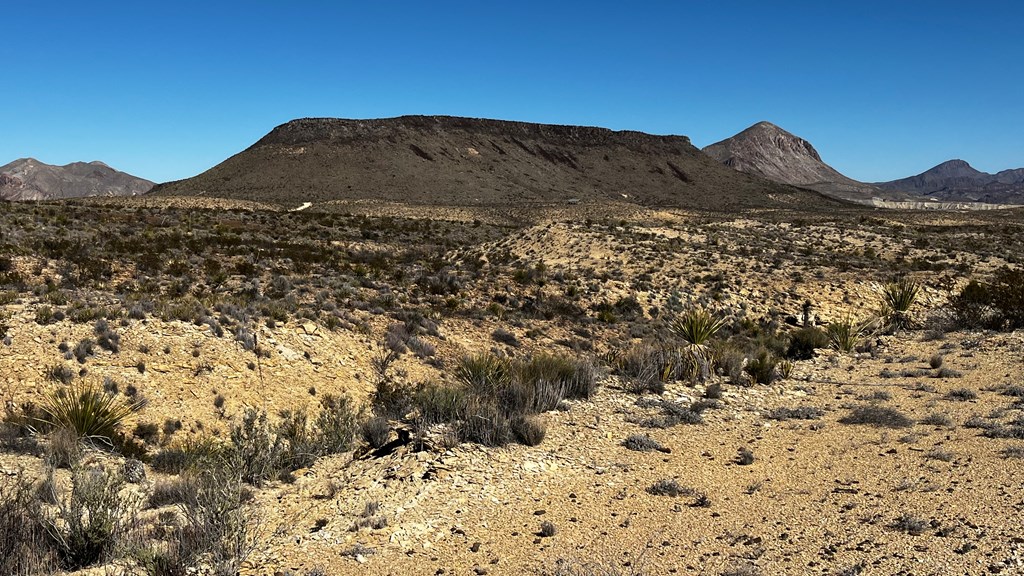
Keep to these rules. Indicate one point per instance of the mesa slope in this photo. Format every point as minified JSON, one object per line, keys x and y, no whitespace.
{"x":452,"y":161}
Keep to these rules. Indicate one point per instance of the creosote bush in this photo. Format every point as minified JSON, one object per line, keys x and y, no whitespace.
{"x":497,"y":397}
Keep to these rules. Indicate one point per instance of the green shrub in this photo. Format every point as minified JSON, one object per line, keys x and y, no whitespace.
{"x":805,"y":341}
{"x":762,"y":367}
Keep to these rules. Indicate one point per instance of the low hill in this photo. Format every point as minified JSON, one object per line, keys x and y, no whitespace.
{"x":452,"y":161}
{"x":30,"y":179}
{"x":768,"y":151}
{"x":958,"y":181}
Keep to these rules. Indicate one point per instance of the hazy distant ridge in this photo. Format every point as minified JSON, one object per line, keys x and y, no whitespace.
{"x":30,"y":179}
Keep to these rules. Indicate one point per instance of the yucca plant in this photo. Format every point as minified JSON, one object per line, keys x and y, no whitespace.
{"x":845,"y":334}
{"x":87,"y":411}
{"x":696,"y":328}
{"x":897,"y":299}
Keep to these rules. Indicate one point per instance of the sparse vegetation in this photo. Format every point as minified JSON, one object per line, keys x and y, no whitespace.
{"x":878,"y":416}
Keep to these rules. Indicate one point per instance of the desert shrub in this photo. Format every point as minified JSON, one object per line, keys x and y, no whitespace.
{"x":148,"y":432}
{"x":376,"y":431}
{"x":87,"y":411}
{"x":643,"y":443}
{"x":1013,"y":452}
{"x":299,"y":447}
{"x":946,"y":372}
{"x":672,"y":413}
{"x":64,"y":449}
{"x":529,"y":430}
{"x":218,"y":533}
{"x":84,"y":349}
{"x":44,"y":315}
{"x":1007,"y":296}
{"x":911,"y":524}
{"x":878,"y":416}
{"x":484,"y":422}
{"x":646,"y":367}
{"x":439,"y":403}
{"x":744,"y":457}
{"x":259,"y":452}
{"x":803,"y":342}
{"x":937,"y":419}
{"x":762,"y":367}
{"x":1012,"y":431}
{"x":962,"y":394}
{"x":547,"y":529}
{"x":106,"y":337}
{"x":25,"y":548}
{"x":178,"y":490}
{"x":190,"y":453}
{"x":336,"y":424}
{"x":801,"y":413}
{"x":669,"y":487}
{"x":92,"y":522}
{"x":935,"y":362}
{"x":60,"y":373}
{"x":505,"y":337}
{"x":498,"y":396}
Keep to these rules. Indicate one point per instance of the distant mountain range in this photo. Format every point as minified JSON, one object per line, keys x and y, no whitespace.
{"x":768,"y":151}
{"x":957,"y":181}
{"x":452,"y":161}
{"x":30,"y":179}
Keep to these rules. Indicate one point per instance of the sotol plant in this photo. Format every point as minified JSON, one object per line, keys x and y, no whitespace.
{"x":897,"y":300}
{"x":87,"y":411}
{"x":845,"y":334}
{"x":696,"y":328}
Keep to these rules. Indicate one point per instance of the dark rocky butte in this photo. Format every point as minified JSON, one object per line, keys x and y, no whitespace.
{"x":30,"y":179}
{"x":451,"y":161}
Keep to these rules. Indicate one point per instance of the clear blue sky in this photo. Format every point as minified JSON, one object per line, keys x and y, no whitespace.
{"x":166,"y":90}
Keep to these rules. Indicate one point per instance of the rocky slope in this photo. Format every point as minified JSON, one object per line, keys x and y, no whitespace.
{"x":451,"y":161}
{"x":30,"y":179}
{"x":768,"y":151}
{"x":958,"y":181}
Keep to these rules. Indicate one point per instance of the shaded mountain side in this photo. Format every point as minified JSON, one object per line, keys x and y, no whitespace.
{"x":958,"y":181}
{"x":768,"y":151}
{"x":442,"y":160}
{"x":30,"y":179}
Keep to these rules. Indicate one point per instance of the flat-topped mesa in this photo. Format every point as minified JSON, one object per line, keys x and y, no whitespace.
{"x":340,"y":131}
{"x":453,"y":161}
